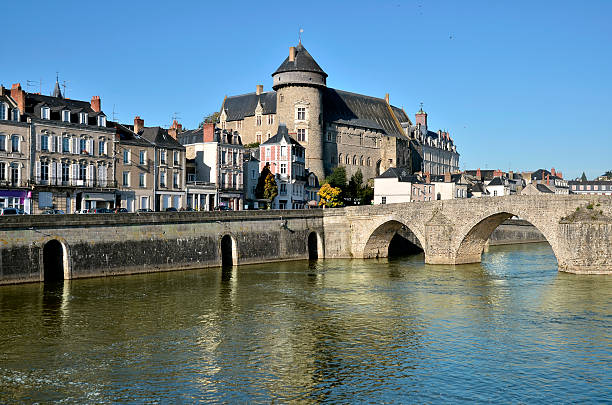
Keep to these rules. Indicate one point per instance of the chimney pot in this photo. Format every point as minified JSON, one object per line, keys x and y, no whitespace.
{"x":259,"y":89}
{"x":292,"y":54}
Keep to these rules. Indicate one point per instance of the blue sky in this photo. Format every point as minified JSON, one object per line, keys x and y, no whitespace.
{"x":519,"y":85}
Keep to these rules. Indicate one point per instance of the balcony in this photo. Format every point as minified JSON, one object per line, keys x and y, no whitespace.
{"x":60,"y":182}
{"x":10,"y":183}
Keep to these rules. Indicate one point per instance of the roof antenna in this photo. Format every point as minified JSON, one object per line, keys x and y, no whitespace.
{"x":64,"y":86}
{"x":300,"y":34}
{"x":114,"y":114}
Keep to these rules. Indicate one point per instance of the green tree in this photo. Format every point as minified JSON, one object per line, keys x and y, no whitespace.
{"x":212,"y":118}
{"x":270,"y":188}
{"x":583,"y":177}
{"x":337,"y":178}
{"x":353,"y":191}
{"x":261,"y":182}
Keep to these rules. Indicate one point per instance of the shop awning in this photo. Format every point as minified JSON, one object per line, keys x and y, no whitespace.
{"x":99,"y":197}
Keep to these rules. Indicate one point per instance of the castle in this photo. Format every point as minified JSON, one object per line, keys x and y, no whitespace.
{"x":337,"y":128}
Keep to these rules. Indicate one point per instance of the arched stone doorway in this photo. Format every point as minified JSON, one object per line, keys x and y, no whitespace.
{"x":315,"y":248}
{"x":54,"y":261}
{"x":229,"y":254}
{"x":392,"y":239}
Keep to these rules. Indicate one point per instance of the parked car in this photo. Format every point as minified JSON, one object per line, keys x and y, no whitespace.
{"x":21,"y":212}
{"x":53,"y":212}
{"x":120,"y":210}
{"x":171,"y":209}
{"x":222,"y":208}
{"x":100,"y":211}
{"x":9,"y":211}
{"x":83,"y":211}
{"x":144,"y":210}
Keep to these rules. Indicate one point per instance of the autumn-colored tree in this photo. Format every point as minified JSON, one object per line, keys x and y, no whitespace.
{"x":330,"y":196}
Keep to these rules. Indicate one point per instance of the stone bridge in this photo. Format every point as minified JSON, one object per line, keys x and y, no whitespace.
{"x":577,"y":227}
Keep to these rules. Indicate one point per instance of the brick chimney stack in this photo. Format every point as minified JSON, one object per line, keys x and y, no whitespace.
{"x":387,"y":97}
{"x":19,"y":96}
{"x":560,"y":175}
{"x":447,"y":177}
{"x":292,"y":54}
{"x":552,"y":171}
{"x":427,"y":178}
{"x":208,"y":132}
{"x":259,"y":89}
{"x":548,"y":179}
{"x":175,"y":129}
{"x":96,"y":104}
{"x":478,"y":174}
{"x":138,"y":124}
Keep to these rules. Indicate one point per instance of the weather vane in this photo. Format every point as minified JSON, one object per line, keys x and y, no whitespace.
{"x":300,"y":34}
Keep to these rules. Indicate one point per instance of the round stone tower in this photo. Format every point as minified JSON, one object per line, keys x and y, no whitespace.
{"x":299,"y":82}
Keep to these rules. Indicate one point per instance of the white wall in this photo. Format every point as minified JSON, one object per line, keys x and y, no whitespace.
{"x":395,"y":191}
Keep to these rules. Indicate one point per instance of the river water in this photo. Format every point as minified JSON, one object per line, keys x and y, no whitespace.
{"x":511,"y":329}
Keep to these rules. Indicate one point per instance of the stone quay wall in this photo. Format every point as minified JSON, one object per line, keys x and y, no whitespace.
{"x":112,"y":244}
{"x":513,"y":231}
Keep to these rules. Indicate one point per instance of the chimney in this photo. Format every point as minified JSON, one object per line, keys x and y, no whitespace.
{"x":560,"y":175}
{"x":548,"y":179}
{"x":19,"y":96}
{"x":292,"y":54}
{"x":175,"y":129}
{"x":208,"y":132}
{"x":511,"y":174}
{"x":96,"y":104}
{"x":259,"y":89}
{"x":427,"y":178}
{"x":138,"y":124}
{"x":552,"y":171}
{"x":387,"y":98}
{"x":478,"y":174}
{"x":447,"y":177}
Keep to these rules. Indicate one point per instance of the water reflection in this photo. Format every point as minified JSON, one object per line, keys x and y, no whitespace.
{"x":327,"y":330}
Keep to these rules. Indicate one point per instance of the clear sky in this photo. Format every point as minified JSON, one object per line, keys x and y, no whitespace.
{"x":519,"y":84}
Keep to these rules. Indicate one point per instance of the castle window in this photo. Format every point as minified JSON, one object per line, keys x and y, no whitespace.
{"x":355,"y":160}
{"x":301,"y":113}
{"x":340,"y":158}
{"x":347,"y":160}
{"x":369,"y":162}
{"x":301,"y":134}
{"x":259,"y":137}
{"x":361,"y":161}
{"x":270,"y":119}
{"x":258,"y":118}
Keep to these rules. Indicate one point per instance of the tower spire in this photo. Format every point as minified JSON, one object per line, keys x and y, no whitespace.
{"x":56,"y":90}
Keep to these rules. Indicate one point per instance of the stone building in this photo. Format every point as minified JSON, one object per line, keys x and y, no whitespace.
{"x":336,"y":127}
{"x":398,"y":185}
{"x":600,"y":187}
{"x":135,"y":169}
{"x":14,"y":155}
{"x":219,"y":157}
{"x":71,"y":151}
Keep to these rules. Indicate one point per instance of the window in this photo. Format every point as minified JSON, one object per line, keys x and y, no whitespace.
{"x":2,"y":143}
{"x":65,"y":144}
{"x":126,"y":179}
{"x":283,"y":189}
{"x":347,"y":160}
{"x":44,"y":113}
{"x":44,"y":142}
{"x":65,"y":115}
{"x":270,"y":119}
{"x":162,"y":179}
{"x":259,"y":137}
{"x":340,"y":158}
{"x":2,"y":111}
{"x":175,"y":181}
{"x":82,"y":171}
{"x":15,"y":114}
{"x":361,"y":161}
{"x":101,"y":121}
{"x":223,"y":157}
{"x":141,"y":180}
{"x":44,"y":171}
{"x":83,"y":146}
{"x":329,"y":137}
{"x":65,"y":172}
{"x":301,"y":113}
{"x":82,"y":118}
{"x":142,"y":157}
{"x":301,"y":134}
{"x":267,"y":153}
{"x":126,"y":157}
{"x":355,"y":160}
{"x":176,"y":158}
{"x":101,"y":147}
{"x":163,"y":157}
{"x":383,"y":200}
{"x":191,"y":177}
{"x":283,"y":151}
{"x":235,"y":158}
{"x":283,"y":168}
{"x":258,"y":118}
{"x":15,"y":143}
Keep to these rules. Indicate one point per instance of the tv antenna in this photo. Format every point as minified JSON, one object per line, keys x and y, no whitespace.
{"x":175,"y":116}
{"x":30,"y":83}
{"x":114,"y":114}
{"x":300,"y":34}
{"x":64,"y":86}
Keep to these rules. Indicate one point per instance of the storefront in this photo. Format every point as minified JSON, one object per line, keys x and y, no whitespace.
{"x":16,"y":199}
{"x":96,"y":200}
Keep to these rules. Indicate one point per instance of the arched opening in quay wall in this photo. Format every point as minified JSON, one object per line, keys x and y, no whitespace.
{"x":229,"y":251}
{"x":474,"y":242}
{"x":55,"y":262}
{"x":315,"y":246}
{"x":392,"y":239}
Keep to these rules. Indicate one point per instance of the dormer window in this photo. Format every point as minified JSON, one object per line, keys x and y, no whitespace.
{"x":101,"y":121}
{"x":83,"y":118}
{"x":15,"y":114}
{"x":65,"y":115}
{"x":45,"y":113}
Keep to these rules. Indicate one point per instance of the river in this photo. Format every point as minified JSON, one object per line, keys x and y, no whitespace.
{"x":511,"y":329}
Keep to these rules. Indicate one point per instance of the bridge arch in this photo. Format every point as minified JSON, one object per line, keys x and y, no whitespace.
{"x":381,"y":237}
{"x":473,"y":237}
{"x":55,"y":260}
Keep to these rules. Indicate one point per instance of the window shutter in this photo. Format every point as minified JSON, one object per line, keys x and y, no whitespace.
{"x":75,"y":146}
{"x":37,"y":173}
{"x":74,"y":172}
{"x":52,"y":144}
{"x":90,"y":149}
{"x":38,"y":142}
{"x":52,"y":168}
{"x":101,"y":174}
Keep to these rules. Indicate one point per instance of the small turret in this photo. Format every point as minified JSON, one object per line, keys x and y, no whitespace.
{"x":299,"y":68}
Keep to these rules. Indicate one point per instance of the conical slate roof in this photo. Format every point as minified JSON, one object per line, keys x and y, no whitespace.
{"x":303,"y":62}
{"x":56,"y":91}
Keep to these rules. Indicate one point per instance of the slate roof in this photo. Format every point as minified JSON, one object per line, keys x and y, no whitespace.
{"x":127,"y":135}
{"x":303,"y":62}
{"x":343,"y":107}
{"x":541,"y":174}
{"x":543,"y":189}
{"x":400,"y":173}
{"x":590,"y":182}
{"x":497,"y":181}
{"x":34,"y":102}
{"x":160,"y":137}
{"x":191,"y":136}
{"x":238,"y":107}
{"x":478,"y":188}
{"x":283,"y":133}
